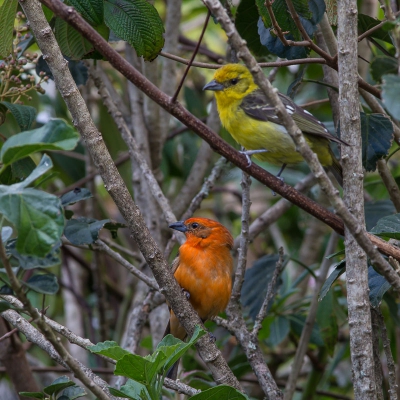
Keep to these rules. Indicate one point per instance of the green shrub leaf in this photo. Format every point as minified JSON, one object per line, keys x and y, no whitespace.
{"x":137,"y":22}
{"x":54,"y":135}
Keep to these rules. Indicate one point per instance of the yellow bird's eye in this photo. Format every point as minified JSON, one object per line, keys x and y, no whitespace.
{"x":234,"y":81}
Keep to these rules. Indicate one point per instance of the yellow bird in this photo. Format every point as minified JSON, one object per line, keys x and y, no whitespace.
{"x":251,"y":120}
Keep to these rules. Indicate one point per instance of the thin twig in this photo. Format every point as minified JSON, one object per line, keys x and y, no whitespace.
{"x":388,"y":353}
{"x":175,"y":96}
{"x":268,"y":297}
{"x":244,"y":238}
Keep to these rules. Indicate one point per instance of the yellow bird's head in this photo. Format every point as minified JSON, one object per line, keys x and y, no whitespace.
{"x":231,"y":82}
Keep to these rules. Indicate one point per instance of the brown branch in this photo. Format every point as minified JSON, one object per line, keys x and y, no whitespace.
{"x":175,"y":96}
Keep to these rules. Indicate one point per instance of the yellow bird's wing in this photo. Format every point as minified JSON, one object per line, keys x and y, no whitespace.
{"x":258,"y":107}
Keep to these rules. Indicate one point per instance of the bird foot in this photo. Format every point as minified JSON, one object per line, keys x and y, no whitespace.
{"x":249,"y":153}
{"x":186,"y":293}
{"x":212,"y":337}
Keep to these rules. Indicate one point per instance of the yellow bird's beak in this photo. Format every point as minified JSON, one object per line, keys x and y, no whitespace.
{"x":214,"y":86}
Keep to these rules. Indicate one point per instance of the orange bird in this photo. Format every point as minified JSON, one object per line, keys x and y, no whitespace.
{"x":203,"y":269}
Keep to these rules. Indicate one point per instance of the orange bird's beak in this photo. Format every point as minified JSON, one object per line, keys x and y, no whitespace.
{"x":179,"y":226}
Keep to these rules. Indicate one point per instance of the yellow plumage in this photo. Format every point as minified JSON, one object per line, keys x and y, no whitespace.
{"x":246,"y":114}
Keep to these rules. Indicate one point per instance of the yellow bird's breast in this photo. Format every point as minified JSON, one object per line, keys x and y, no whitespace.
{"x":253,"y":134}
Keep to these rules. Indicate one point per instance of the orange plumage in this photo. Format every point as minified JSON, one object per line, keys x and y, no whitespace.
{"x":203,"y":269}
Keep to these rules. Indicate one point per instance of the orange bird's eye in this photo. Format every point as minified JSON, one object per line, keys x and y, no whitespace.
{"x":195,"y":225}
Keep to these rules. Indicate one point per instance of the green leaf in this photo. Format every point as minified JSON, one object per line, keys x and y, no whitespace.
{"x":83,"y":230}
{"x":382,"y":65}
{"x":72,"y":44}
{"x":54,"y":135}
{"x":174,"y":348}
{"x":5,"y":305}
{"x":44,"y":283}
{"x":74,"y":196}
{"x":390,"y":94}
{"x":256,"y":282}
{"x":246,"y":23}
{"x":137,"y":22}
{"x":375,"y":210}
{"x":7,"y":17}
{"x":33,"y":395}
{"x":378,"y":286}
{"x":24,"y":115}
{"x":36,"y":215}
{"x":327,"y":322}
{"x":275,"y":329}
{"x":30,"y":262}
{"x":73,"y":392}
{"x":91,"y":10}
{"x":59,"y":384}
{"x":17,"y":171}
{"x":109,"y":349}
{"x":388,"y":227}
{"x":340,"y":268}
{"x":131,"y":390}
{"x":365,"y":23}
{"x":139,"y":368}
{"x":377,"y":136}
{"x":220,"y":392}
{"x":297,"y":323}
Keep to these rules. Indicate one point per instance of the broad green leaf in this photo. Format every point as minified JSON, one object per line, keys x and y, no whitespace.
{"x":138,"y":368}
{"x":36,"y":215}
{"x":327,"y":322}
{"x":4,"y":306}
{"x":297,"y":323}
{"x":174,"y":348}
{"x":375,"y":210}
{"x":340,"y":268}
{"x":74,"y":196}
{"x":388,"y":227}
{"x":365,"y":23}
{"x":84,"y":230}
{"x":275,"y":329}
{"x":131,"y":390}
{"x":378,"y":286}
{"x":382,"y":65}
{"x":17,"y":171}
{"x":220,"y":392}
{"x":256,"y":282}
{"x":54,"y":135}
{"x":138,"y":23}
{"x":59,"y":384}
{"x":377,"y":136}
{"x":246,"y":23}
{"x":7,"y":17}
{"x":72,"y":44}
{"x":30,"y":262}
{"x":390,"y":94}
{"x":74,"y":392}
{"x":109,"y":349}
{"x":44,"y":166}
{"x":91,"y":10}
{"x":33,"y":395}
{"x":44,"y":283}
{"x":24,"y":115}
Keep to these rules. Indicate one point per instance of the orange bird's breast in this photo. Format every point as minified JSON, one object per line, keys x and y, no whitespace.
{"x":206,"y":274}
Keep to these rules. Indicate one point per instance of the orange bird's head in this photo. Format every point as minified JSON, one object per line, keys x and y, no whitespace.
{"x":204,"y":232}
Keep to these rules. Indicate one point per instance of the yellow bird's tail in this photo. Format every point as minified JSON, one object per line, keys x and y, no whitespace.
{"x":336,"y":168}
